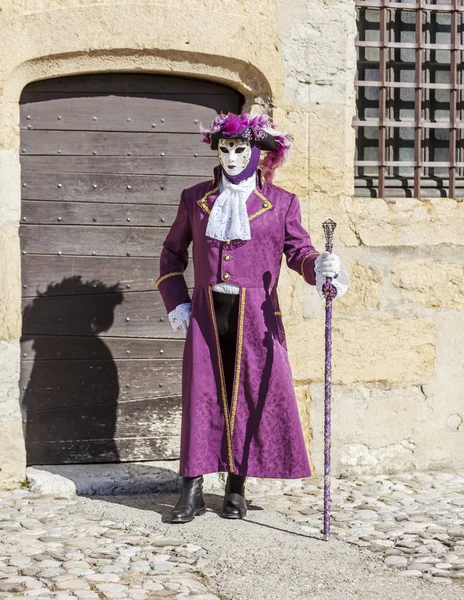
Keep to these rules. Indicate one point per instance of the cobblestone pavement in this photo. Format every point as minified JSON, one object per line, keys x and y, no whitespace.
{"x":50,"y":549}
{"x":414,"y":521}
{"x":66,"y":547}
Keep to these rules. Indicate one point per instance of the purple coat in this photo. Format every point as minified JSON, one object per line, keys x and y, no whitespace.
{"x":261,"y":434}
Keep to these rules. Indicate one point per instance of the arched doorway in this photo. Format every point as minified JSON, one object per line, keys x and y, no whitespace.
{"x":104,"y":159}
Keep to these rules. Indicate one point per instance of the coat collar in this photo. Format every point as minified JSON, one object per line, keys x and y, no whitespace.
{"x":257,"y":203}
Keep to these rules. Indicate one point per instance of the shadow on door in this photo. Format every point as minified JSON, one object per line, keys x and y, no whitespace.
{"x":70,"y":390}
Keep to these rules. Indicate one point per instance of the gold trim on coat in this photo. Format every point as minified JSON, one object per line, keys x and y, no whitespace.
{"x":160,"y":279}
{"x":264,"y":208}
{"x":202,"y":201}
{"x":238,"y":362}
{"x":268,"y":204}
{"x":223,"y":381}
{"x":302,"y":264}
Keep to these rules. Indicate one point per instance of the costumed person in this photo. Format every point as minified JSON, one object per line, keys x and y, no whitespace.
{"x":239,"y":409}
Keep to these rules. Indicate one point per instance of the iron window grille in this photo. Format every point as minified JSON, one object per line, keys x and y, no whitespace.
{"x":409,"y":87}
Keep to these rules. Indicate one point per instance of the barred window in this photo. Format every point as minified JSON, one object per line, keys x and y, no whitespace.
{"x":409,"y":131}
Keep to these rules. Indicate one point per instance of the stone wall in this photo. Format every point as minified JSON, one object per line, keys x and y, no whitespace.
{"x":398,"y":355}
{"x":398,"y":352}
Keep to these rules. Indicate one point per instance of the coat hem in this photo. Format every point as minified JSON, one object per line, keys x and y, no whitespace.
{"x":258,"y":474}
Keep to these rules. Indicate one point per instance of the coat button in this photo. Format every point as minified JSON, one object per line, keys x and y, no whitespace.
{"x":228,"y":242}
{"x":265,"y":204}
{"x":227,"y":257}
{"x":226,"y":276}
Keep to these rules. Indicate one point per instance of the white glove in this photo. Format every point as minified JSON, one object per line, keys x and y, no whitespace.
{"x":180,"y":316}
{"x":330,"y":264}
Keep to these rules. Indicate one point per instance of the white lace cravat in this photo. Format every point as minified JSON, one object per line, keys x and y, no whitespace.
{"x":228,"y":219}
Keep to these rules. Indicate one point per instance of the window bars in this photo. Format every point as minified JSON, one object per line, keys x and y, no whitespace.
{"x":409,"y":128}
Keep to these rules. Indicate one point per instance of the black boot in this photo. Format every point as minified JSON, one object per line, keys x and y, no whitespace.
{"x":234,"y":506}
{"x":191,"y":502}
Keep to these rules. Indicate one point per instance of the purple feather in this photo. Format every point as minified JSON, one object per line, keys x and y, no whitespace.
{"x":234,"y":124}
{"x":256,"y":126}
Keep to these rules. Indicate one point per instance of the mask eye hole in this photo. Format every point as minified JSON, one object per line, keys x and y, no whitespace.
{"x":240,"y":150}
{"x":224,"y":149}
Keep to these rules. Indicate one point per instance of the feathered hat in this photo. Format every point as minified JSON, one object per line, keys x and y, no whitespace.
{"x":259,"y":130}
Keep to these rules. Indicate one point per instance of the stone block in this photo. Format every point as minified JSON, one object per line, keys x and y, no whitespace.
{"x":433,"y":283}
{"x":330,"y":203}
{"x":12,"y":447}
{"x":12,"y":452}
{"x":317,"y":58}
{"x":10,"y":204}
{"x":9,"y":124}
{"x":375,"y":429}
{"x":408,"y":222}
{"x":303,"y":400}
{"x":364,"y":292}
{"x":9,"y":377}
{"x":398,"y":350}
{"x":107,"y":479}
{"x":10,"y":283}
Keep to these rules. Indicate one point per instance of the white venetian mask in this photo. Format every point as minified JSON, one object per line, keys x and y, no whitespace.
{"x":234,"y":155}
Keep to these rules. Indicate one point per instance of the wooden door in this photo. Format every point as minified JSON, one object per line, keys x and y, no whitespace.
{"x":104,"y":159}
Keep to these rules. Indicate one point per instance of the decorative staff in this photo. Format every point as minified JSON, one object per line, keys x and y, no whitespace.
{"x":329,"y":291}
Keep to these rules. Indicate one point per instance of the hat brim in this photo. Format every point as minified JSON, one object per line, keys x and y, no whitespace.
{"x":267,"y":143}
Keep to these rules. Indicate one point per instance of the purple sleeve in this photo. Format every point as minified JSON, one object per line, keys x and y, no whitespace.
{"x":174,"y":259}
{"x":298,"y":249}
